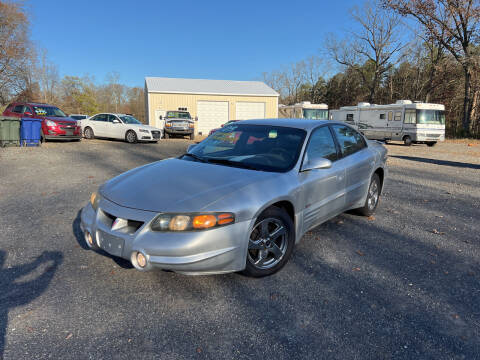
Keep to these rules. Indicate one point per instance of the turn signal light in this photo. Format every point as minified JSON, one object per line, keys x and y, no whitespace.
{"x":191,"y":222}
{"x":224,"y":219}
{"x":204,"y":221}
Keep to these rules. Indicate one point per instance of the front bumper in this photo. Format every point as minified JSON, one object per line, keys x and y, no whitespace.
{"x":174,"y":131}
{"x":213,"y":251}
{"x":61,"y":132}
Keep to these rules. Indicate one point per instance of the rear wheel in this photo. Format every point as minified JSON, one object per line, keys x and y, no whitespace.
{"x":407,"y":140}
{"x":431,"y":143}
{"x":131,"y":137}
{"x":373,"y":196}
{"x":88,"y":132}
{"x":270,"y":244}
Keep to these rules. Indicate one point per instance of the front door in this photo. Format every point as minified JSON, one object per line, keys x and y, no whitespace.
{"x":358,"y":162}
{"x":323,"y":189}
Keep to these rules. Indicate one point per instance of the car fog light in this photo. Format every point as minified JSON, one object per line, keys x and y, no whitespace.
{"x":141,"y":260}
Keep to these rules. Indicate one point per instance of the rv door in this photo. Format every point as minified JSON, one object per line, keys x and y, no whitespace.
{"x":395,"y":123}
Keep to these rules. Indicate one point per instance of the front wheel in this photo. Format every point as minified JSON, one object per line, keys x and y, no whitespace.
{"x":407,"y":140}
{"x":131,"y":137}
{"x":373,"y":196}
{"x":431,"y":143}
{"x":270,"y":243}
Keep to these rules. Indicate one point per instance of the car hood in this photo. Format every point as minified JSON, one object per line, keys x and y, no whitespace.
{"x":175,"y":185}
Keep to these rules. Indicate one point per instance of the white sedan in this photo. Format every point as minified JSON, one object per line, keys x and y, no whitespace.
{"x":119,"y":126}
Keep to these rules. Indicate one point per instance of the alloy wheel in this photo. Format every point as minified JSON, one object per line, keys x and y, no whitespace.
{"x":267,"y":244}
{"x":372,"y":195}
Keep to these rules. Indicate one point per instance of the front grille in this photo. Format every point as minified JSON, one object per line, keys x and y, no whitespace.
{"x":67,"y":127}
{"x":66,"y":123}
{"x":433,"y":135}
{"x":156,"y":134}
{"x":129,"y":227}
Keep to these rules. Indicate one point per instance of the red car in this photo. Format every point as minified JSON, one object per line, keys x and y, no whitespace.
{"x":55,"y":125}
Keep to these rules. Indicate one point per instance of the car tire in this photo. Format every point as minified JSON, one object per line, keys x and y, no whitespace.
{"x":407,"y":140}
{"x":431,"y":143}
{"x":266,"y":254}
{"x":88,"y":133}
{"x":42,"y":137}
{"x":192,"y":136}
{"x":373,"y":197}
{"x":131,"y":137}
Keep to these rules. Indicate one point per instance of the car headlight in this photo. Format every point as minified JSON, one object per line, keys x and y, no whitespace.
{"x":168,"y":125}
{"x":143,"y":130}
{"x":191,"y":125}
{"x":191,"y":222}
{"x":51,"y":123}
{"x":94,"y":200}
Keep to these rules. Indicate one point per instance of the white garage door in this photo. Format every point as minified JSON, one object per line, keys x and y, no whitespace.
{"x":249,"y":110}
{"x":211,"y":115}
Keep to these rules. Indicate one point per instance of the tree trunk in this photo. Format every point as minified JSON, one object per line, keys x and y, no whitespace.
{"x":467,"y":100}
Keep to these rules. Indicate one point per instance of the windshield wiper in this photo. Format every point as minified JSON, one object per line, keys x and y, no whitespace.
{"x":227,"y":162}
{"x":196,"y":157}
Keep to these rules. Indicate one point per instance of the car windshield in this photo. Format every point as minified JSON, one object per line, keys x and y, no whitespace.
{"x":256,"y":147}
{"x":128,"y":119}
{"x":315,"y":114}
{"x":435,"y":117}
{"x":48,"y":111}
{"x":178,"y":115}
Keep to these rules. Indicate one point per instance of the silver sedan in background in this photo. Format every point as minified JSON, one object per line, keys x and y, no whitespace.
{"x":239,"y":200}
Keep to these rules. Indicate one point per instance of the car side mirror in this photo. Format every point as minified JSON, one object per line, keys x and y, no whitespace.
{"x":115,"y":121}
{"x":28,"y":113}
{"x":196,"y":118}
{"x":319,"y":163}
{"x":191,"y":147}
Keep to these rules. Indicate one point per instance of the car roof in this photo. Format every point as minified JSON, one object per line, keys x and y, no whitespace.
{"x":31,"y":103}
{"x":306,"y":124}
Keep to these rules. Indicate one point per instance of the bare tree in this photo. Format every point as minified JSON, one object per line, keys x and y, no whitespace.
{"x":47,"y":73}
{"x":15,"y":51}
{"x":456,"y":25}
{"x":372,"y":50}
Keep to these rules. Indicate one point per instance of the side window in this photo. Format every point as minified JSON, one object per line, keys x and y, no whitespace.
{"x":349,"y":118}
{"x":18,"y":109}
{"x":349,"y":139}
{"x":100,"y":117}
{"x":382,"y":116}
{"x":398,"y":116}
{"x":410,"y":117}
{"x":390,"y":116}
{"x":110,"y":118}
{"x":321,"y":145}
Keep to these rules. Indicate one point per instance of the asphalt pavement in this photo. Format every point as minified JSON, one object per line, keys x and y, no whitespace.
{"x":404,"y":283}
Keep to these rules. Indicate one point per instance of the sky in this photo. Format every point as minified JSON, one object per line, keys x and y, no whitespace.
{"x":236,"y":40}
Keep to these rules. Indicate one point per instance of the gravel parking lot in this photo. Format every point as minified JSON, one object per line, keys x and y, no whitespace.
{"x":404,"y":283}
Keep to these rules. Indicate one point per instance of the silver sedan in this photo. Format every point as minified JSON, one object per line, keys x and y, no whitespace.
{"x":238,"y":201}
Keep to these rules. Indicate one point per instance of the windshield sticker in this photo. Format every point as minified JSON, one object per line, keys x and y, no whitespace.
{"x":272,"y":134}
{"x":40,"y":111}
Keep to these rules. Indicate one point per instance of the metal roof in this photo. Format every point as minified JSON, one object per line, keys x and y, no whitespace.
{"x":210,"y":87}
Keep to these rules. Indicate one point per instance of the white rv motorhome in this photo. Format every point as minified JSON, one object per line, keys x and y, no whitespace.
{"x":409,"y":122}
{"x":304,"y":110}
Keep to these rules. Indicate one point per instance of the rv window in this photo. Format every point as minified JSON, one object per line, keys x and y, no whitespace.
{"x":410,"y":117}
{"x":382,"y":116}
{"x":390,"y":116}
{"x":398,"y":116}
{"x":349,"y":118}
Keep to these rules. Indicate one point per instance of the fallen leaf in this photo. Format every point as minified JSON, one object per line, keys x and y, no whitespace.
{"x":371,"y":218}
{"x":199,"y":350}
{"x":340,"y":222}
{"x":360,"y":253}
{"x":112,"y":272}
{"x":439,"y":216}
{"x":129,"y":340}
{"x":435,"y":231}
{"x":472,"y":145}
{"x":356,"y":269}
{"x":455,"y":316}
{"x":445,"y":272}
{"x":425,"y":200}
{"x":69,"y":336}
{"x":90,"y":177}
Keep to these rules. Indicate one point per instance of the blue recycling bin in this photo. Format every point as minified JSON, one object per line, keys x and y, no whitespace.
{"x":30,"y":132}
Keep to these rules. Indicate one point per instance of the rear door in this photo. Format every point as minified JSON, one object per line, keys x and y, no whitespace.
{"x":358,"y":162}
{"x":323,"y":189}
{"x":97,"y":123}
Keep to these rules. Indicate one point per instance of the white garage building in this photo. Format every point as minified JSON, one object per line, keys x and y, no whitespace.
{"x":213,"y":102}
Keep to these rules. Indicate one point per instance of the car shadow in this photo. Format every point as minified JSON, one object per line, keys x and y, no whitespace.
{"x":437,"y":162}
{"x":15,"y":292}
{"x":77,"y":232}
